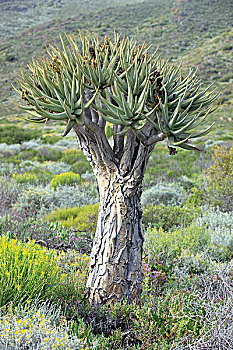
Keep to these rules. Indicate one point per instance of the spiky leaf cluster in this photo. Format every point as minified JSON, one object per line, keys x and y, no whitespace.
{"x":183,"y":105}
{"x":128,"y":87}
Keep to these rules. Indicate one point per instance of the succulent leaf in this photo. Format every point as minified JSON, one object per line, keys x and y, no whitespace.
{"x":135,"y":87}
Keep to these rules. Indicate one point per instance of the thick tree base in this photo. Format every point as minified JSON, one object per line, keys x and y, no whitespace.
{"x":116,"y":259}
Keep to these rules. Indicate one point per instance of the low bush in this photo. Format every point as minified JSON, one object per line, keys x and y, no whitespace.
{"x":197,"y":262}
{"x":81,"y":167}
{"x":32,"y":144}
{"x":196,"y":197}
{"x":55,"y":167}
{"x":49,"y":234}
{"x":215,"y":219}
{"x":71,"y":156}
{"x":162,"y":166}
{"x":41,"y":199}
{"x":51,"y":139}
{"x":168,"y":194}
{"x":35,"y":200}
{"x":12,"y":134}
{"x":27,"y":155}
{"x":9,"y":150}
{"x":220,"y":224}
{"x":25,"y":178}
{"x":62,"y":179}
{"x":178,"y":314}
{"x":166,"y":245}
{"x":68,"y":143}
{"x":155,"y":324}
{"x":9,"y":193}
{"x":192,"y":249}
{"x":168,"y":217}
{"x":47,"y":153}
{"x":219,"y":178}
{"x":36,"y":326}
{"x":214,"y":292}
{"x":27,"y":271}
{"x":7,"y":169}
{"x":73,"y":268}
{"x":83,"y":219}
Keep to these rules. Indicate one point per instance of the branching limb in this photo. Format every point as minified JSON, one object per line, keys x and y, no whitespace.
{"x":118,"y":145}
{"x":89,"y":123}
{"x":99,"y":141}
{"x":94,"y":114}
{"x":140,"y":135}
{"x":155,"y":138}
{"x":102,"y":121}
{"x":130,"y":149}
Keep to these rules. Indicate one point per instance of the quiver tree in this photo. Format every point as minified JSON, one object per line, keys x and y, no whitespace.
{"x":145,"y":100}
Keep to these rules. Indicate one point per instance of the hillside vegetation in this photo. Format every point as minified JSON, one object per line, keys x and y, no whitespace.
{"x":49,"y":198}
{"x":196,"y":32}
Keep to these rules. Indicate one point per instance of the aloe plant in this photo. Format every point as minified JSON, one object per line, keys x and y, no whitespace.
{"x":146,"y":100}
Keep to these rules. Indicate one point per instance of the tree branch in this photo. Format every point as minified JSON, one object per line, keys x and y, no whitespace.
{"x":118,"y":146}
{"x":140,"y":135}
{"x":155,"y":138}
{"x":100,"y":136}
{"x":128,"y":152}
{"x":94,"y":114}
{"x":102,"y":121}
{"x":89,"y":123}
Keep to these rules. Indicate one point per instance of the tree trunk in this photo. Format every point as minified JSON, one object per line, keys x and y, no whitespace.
{"x":116,"y":257}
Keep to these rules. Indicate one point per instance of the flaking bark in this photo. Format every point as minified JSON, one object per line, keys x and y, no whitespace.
{"x":116,"y":259}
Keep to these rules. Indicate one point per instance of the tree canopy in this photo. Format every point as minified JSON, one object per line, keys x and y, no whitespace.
{"x":120,"y":82}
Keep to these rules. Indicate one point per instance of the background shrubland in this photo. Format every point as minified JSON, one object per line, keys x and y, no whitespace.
{"x":49,"y":198}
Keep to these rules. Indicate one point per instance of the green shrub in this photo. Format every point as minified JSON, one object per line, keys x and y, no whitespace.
{"x":171,"y":244}
{"x":27,"y":271}
{"x":44,"y":176}
{"x":179,"y":313}
{"x":34,"y":177}
{"x":197,"y":262}
{"x":40,"y":199}
{"x":36,"y":326}
{"x":161,"y":165}
{"x":9,"y":193}
{"x":81,"y":167}
{"x":25,"y":178}
{"x":166,"y":193}
{"x":46,"y":153}
{"x":219,"y":178}
{"x":30,"y":154}
{"x":52,"y":234}
{"x":168,"y":217}
{"x":82,"y":218}
{"x":51,"y":139}
{"x":68,"y":178}
{"x":12,"y":134}
{"x":72,"y":156}
{"x":196,"y":198}
{"x":74,"y":268}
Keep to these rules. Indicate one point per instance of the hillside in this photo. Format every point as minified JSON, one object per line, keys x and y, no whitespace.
{"x":179,"y":28}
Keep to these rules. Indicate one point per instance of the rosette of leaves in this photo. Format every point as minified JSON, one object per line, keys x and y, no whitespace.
{"x":125,"y":102}
{"x":182,"y":104}
{"x":53,"y":89}
{"x":97,"y":61}
{"x":121,"y":82}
